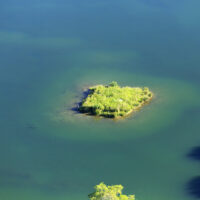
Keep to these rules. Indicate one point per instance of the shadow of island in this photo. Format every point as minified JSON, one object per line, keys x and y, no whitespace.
{"x":75,"y":109}
{"x":195,"y":153}
{"x":193,"y":187}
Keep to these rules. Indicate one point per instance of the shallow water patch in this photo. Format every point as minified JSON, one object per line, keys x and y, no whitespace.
{"x":171,"y":99}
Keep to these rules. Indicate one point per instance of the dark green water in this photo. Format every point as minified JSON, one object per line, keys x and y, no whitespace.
{"x":50,"y":50}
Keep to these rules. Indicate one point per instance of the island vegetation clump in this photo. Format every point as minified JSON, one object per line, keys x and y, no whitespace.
{"x":114,"y":192}
{"x":113,"y":101}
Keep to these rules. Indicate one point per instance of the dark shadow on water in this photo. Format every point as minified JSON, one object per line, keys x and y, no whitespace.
{"x":77,"y":105}
{"x":75,"y":108}
{"x":195,"y":153}
{"x":193,"y":187}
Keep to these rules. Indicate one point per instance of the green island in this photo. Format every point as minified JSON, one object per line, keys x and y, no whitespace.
{"x":113,"y":101}
{"x":114,"y":192}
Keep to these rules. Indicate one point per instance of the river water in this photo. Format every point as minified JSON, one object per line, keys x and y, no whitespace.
{"x":51,"y":50}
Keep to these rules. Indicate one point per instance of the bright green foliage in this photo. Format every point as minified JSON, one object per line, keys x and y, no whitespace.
{"x":114,"y":101}
{"x":114,"y":192}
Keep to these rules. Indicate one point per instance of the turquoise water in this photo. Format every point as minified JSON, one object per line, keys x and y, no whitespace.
{"x":51,"y":50}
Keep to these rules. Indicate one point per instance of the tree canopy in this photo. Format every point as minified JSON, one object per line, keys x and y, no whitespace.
{"x":113,"y":101}
{"x":113,"y":192}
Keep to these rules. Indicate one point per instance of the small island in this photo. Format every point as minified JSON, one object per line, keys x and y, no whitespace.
{"x":113,"y":101}
{"x":111,"y":192}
